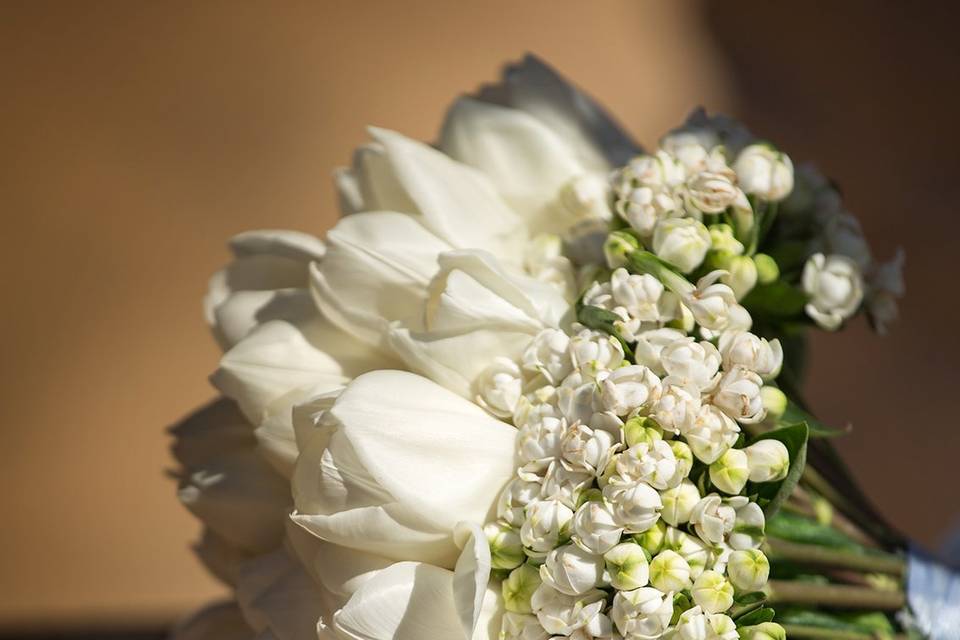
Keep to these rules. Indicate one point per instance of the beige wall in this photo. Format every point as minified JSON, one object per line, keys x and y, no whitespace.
{"x":137,"y":137}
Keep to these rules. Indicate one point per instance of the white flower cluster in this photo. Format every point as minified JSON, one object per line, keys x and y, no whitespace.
{"x":625,"y":518}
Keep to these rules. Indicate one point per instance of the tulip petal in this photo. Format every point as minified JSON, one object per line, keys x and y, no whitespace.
{"x":471,"y":574}
{"x":218,"y":621}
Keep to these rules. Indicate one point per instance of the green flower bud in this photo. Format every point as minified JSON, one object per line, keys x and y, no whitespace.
{"x":519,"y":587}
{"x":641,"y":429}
{"x":774,"y":401}
{"x":767,"y":269}
{"x":627,"y":566}
{"x":669,"y":571}
{"x":506,"y":549}
{"x":748,"y":570}
{"x":652,"y":539}
{"x":720,"y":259}
{"x":712,"y":592}
{"x":763,"y":631}
{"x":730,"y":472}
{"x":741,"y":275}
{"x":678,"y":503}
{"x":684,"y":456}
{"x":723,"y":240}
{"x":617,"y":246}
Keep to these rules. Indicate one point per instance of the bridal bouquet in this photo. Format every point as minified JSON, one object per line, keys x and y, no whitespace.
{"x":540,"y":383}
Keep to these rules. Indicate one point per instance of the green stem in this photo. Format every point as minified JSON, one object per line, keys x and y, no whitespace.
{"x":807,"y":632}
{"x":833,"y":596}
{"x":860,"y":518}
{"x":836,"y":558}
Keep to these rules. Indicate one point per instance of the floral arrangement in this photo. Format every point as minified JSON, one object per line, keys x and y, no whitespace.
{"x":538,"y":383}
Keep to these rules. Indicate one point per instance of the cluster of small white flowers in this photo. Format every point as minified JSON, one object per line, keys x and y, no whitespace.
{"x":626,"y":518}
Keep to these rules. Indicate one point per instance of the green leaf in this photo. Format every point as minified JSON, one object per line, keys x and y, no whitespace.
{"x":775,"y":300}
{"x":757,"y":616}
{"x":750,"y":598}
{"x":794,"y":438}
{"x":795,"y":414}
{"x":602,"y":320}
{"x":867,"y":623}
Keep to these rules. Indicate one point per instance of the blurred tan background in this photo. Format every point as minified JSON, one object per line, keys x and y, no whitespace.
{"x":137,"y":137}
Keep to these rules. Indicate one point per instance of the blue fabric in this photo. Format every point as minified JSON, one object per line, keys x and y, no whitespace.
{"x":933,"y":593}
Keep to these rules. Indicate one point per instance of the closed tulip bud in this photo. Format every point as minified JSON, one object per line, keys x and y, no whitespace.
{"x":768,"y":460}
{"x":748,"y":570}
{"x":774,"y":402}
{"x":765,"y":172}
{"x":594,"y":527}
{"x":763,"y":631}
{"x":627,"y":566}
{"x":741,"y":275}
{"x":518,"y":626}
{"x":683,"y":242}
{"x":723,"y":240}
{"x":678,"y":503}
{"x":571,"y":570}
{"x":519,"y":587}
{"x":669,"y":571}
{"x":730,"y":472}
{"x":506,"y":550}
{"x":712,"y":592}
{"x":767,"y":269}
{"x":641,"y":429}
{"x":616,"y":247}
{"x":652,"y":539}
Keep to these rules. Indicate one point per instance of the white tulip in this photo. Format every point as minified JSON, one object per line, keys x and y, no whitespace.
{"x":586,"y":448}
{"x":518,"y":626}
{"x":627,"y":566}
{"x":710,"y":192}
{"x":683,"y":242}
{"x":572,"y":570}
{"x":712,"y":592}
{"x":539,"y":442}
{"x":712,"y":519}
{"x":547,"y":521}
{"x":695,"y":363}
{"x":748,"y":526}
{"x":678,"y":503}
{"x":565,"y":483}
{"x":636,"y":506}
{"x":669,"y":571}
{"x":519,"y":587}
{"x":652,"y":463}
{"x":387,"y":473}
{"x":712,"y":303}
{"x":748,"y":570}
{"x":764,"y":171}
{"x":506,"y":550}
{"x":691,"y":548}
{"x":677,"y":406}
{"x":499,"y":387}
{"x":642,"y":614}
{"x":594,"y":527}
{"x":562,"y":614}
{"x":768,"y":460}
{"x":730,"y":472}
{"x":738,"y":395}
{"x":548,"y":354}
{"x":650,"y":345}
{"x":593,"y":351}
{"x":628,"y":388}
{"x":834,"y":286}
{"x":514,"y":499}
{"x":751,"y":352}
{"x":711,"y":433}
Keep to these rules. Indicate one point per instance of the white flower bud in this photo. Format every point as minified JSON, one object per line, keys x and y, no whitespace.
{"x":738,"y":395}
{"x":518,"y":626}
{"x":499,"y":387}
{"x":722,"y":240}
{"x":593,"y":351}
{"x":693,"y":362}
{"x":518,"y":588}
{"x":548,"y":354}
{"x":506,"y":550}
{"x":751,"y":352}
{"x":641,"y":429}
{"x":536,"y":406}
{"x":644,"y":206}
{"x":617,"y":246}
{"x":562,"y":614}
{"x":513,"y":500}
{"x":594,"y":527}
{"x":565,"y":483}
{"x":741,"y":275}
{"x":834,"y":286}
{"x":540,"y":441}
{"x":684,"y":456}
{"x":652,"y":463}
{"x":710,"y":192}
{"x":763,"y":631}
{"x":639,"y":294}
{"x":692,"y":549}
{"x":768,"y":460}
{"x":628,"y":388}
{"x":669,"y":571}
{"x":721,"y":627}
{"x":587,"y":449}
{"x":748,"y":570}
{"x":586,"y":196}
{"x":547,"y":521}
{"x":677,"y":406}
{"x":712,"y":519}
{"x":774,"y":402}
{"x":572,"y":570}
{"x":642,"y":614}
{"x":712,"y":592}
{"x":690,"y":147}
{"x":683,"y":242}
{"x":636,"y":506}
{"x":692,"y":625}
{"x":764,"y":171}
{"x":678,"y":503}
{"x":578,"y":398}
{"x":711,"y":433}
{"x":544,"y":260}
{"x":748,"y":526}
{"x":711,"y":303}
{"x":627,"y":566}
{"x":730,"y":471}
{"x":650,"y":345}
